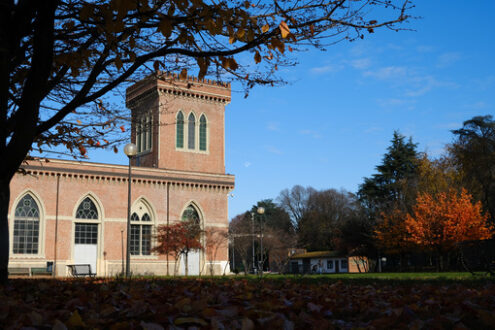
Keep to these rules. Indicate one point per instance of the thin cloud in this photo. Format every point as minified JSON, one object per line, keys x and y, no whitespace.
{"x":272,"y":126}
{"x":392,"y":102}
{"x":425,"y":49}
{"x":387,"y":73}
{"x":449,"y":125}
{"x":247,"y":164}
{"x":373,"y":129}
{"x":273,"y":150}
{"x":310,"y":132}
{"x":477,"y":105}
{"x":330,"y":68}
{"x":361,"y":63}
{"x":447,"y":59}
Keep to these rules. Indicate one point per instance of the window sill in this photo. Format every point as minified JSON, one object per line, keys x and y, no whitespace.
{"x":26,"y":256}
{"x":143,"y":153}
{"x":150,"y":257}
{"x":193,"y":151}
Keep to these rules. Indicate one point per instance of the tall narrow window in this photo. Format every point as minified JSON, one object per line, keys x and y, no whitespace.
{"x":191,"y":131}
{"x":179,"y":143}
{"x":148,"y":134}
{"x":138,"y":135}
{"x":202,"y":133}
{"x":140,"y":234}
{"x":26,"y":226}
{"x":143,"y":133}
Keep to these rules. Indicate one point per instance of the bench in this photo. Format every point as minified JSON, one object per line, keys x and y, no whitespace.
{"x":81,"y":270}
{"x":17,"y":271}
{"x":40,"y":271}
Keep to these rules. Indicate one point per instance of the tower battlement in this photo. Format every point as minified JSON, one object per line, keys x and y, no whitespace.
{"x":171,"y":83}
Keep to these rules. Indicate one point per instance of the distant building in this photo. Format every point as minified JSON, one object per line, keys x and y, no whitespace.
{"x":326,"y":262}
{"x":72,"y":212}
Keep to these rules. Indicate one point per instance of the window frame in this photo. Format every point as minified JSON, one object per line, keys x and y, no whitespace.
{"x":41,"y":226}
{"x":144,"y":133}
{"x":201,"y":132}
{"x":191,"y":133}
{"x":179,"y":122}
{"x":140,"y":210}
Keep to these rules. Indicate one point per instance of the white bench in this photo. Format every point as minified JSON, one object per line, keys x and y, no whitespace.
{"x":81,"y":270}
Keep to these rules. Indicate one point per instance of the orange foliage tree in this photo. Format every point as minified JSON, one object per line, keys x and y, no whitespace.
{"x":391,"y":233}
{"x":441,"y":221}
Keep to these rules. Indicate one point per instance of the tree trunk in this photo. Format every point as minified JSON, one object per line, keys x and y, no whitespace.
{"x":4,"y":230}
{"x":186,"y":264}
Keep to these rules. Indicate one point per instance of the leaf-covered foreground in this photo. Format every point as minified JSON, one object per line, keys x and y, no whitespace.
{"x":245,"y":304}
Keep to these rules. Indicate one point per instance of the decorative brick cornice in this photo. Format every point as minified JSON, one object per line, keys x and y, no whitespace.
{"x":223,"y":183}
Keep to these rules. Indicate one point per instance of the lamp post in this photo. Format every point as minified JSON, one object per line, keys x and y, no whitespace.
{"x":252,"y":235}
{"x":261,"y":211}
{"x":122,"y":241}
{"x":130,"y":150}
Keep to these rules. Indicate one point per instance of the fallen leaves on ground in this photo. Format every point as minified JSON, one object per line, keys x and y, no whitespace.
{"x":155,"y":304}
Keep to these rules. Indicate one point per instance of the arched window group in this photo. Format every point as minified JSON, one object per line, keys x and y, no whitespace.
{"x":194,"y":141}
{"x":27,"y":225}
{"x":141,"y":230}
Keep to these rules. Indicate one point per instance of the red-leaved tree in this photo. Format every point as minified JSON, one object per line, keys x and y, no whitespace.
{"x":179,"y":239}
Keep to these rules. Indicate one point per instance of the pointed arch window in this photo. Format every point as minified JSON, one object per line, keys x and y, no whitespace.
{"x":202,"y":133}
{"x":191,"y":131}
{"x":190,"y":214}
{"x":26,"y":226}
{"x":87,"y":210}
{"x":141,"y":232}
{"x":179,"y":142}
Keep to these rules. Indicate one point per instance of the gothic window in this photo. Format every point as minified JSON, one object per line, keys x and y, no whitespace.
{"x":191,"y":131}
{"x":141,"y":231}
{"x":87,"y":210}
{"x":143,"y":133}
{"x":180,"y":130}
{"x":202,"y":133}
{"x":190,"y":213}
{"x":26,"y":226}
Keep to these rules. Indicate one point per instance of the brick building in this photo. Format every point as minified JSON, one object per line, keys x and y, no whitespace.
{"x":72,"y":212}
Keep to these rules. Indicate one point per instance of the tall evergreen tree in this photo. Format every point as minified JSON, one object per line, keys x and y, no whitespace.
{"x":394,"y":184}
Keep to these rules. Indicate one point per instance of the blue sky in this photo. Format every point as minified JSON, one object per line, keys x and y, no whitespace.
{"x":331,"y":125}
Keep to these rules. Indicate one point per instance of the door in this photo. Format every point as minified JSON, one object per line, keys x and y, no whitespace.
{"x":192,"y":263}
{"x":306,"y":266}
{"x":86,"y":244}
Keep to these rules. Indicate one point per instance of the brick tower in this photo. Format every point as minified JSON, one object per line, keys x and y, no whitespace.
{"x":179,"y":124}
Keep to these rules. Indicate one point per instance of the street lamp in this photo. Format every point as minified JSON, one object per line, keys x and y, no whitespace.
{"x":130,"y":150}
{"x":261,"y":211}
{"x":252,"y":235}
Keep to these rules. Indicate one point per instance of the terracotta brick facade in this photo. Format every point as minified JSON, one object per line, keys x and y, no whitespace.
{"x":166,"y":180}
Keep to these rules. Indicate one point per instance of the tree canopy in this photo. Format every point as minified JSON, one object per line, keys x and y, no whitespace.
{"x":474,"y":153}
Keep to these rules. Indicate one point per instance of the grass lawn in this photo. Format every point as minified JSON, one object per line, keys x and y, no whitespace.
{"x":464,"y":277}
